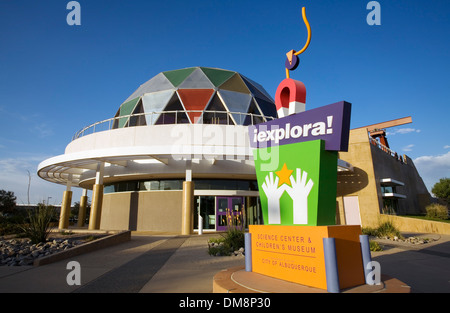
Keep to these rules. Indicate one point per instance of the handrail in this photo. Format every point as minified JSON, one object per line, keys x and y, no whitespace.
{"x":112,"y":123}
{"x":386,"y":149}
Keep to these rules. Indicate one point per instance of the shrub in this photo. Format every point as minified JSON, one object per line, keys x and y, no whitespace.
{"x":38,"y":226}
{"x":375,"y":246}
{"x":387,"y":229}
{"x":370,"y":231}
{"x":233,"y":239}
{"x":436,"y":210}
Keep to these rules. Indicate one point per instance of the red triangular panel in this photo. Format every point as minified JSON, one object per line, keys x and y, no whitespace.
{"x":195,"y":99}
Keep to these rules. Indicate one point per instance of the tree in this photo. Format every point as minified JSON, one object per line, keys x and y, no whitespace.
{"x":7,"y":201}
{"x":442,"y":189}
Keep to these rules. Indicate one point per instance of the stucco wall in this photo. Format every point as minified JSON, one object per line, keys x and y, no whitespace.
{"x":142,"y":211}
{"x":360,"y":182}
{"x":408,"y":224}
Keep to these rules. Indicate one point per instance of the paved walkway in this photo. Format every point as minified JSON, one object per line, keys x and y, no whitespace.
{"x":181,"y":264}
{"x":424,"y":267}
{"x":146,"y":263}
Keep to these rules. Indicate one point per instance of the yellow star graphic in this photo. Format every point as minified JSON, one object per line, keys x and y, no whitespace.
{"x":284,"y":175}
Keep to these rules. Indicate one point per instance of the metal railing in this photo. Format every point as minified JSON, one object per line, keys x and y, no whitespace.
{"x":174,"y":117}
{"x":387,"y":150}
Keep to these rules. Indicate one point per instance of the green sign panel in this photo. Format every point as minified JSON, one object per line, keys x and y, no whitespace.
{"x":297,"y":183}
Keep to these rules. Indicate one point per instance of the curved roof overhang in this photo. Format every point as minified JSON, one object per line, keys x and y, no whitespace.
{"x":128,"y":152}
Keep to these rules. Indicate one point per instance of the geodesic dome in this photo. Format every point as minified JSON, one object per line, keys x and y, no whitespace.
{"x":197,"y":95}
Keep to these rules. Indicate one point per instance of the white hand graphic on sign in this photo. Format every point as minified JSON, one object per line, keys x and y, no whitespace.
{"x":299,"y":193}
{"x":273,"y":193}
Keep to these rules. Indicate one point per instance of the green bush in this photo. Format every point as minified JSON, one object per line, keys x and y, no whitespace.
{"x":11,"y":224}
{"x":375,"y":246}
{"x":38,"y":225}
{"x":436,"y":210}
{"x":232,"y":240}
{"x":370,"y":231}
{"x":387,"y":229}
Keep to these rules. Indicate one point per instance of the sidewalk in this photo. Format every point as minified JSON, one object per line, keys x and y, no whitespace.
{"x":150,"y":263}
{"x":424,"y":267}
{"x":146,"y":263}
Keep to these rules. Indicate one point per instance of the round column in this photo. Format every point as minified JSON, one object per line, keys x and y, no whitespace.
{"x":65,"y":210}
{"x":187,"y":221}
{"x":82,"y":209}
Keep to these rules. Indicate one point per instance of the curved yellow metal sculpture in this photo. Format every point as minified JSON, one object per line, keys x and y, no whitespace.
{"x":292,"y":56}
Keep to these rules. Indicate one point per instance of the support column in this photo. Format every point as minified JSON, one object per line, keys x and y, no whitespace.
{"x":65,"y":206}
{"x":187,"y":221}
{"x":187,"y":218}
{"x":97,"y":199}
{"x":82,"y":209}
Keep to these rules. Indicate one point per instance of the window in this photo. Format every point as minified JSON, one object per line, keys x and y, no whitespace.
{"x":177,"y":184}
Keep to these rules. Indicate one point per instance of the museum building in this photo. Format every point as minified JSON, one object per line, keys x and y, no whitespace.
{"x":176,"y":158}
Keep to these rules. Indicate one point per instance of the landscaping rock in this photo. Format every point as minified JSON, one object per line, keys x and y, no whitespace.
{"x":21,"y":252}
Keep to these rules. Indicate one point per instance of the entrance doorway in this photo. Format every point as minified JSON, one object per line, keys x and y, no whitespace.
{"x":233,"y":204}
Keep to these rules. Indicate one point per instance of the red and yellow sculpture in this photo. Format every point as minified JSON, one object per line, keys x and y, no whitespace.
{"x":290,"y":97}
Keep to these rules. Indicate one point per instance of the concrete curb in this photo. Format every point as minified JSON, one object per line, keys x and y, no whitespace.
{"x":226,"y":281}
{"x":101,"y":243}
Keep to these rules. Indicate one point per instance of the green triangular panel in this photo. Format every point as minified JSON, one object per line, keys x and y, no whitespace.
{"x":216,"y":76}
{"x":176,"y":77}
{"x":126,"y":109}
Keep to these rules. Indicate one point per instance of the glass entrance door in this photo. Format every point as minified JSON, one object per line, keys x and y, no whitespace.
{"x":233,"y":205}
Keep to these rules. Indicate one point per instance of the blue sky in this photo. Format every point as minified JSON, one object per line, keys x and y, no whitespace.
{"x":55,"y":78}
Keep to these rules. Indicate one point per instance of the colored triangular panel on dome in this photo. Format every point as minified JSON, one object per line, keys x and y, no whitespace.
{"x":137,"y":118}
{"x":125,"y":110}
{"x":215,"y":112}
{"x":254,"y":116}
{"x":197,"y":80}
{"x":173,"y":113}
{"x":217,"y":76}
{"x":266,"y":107}
{"x":154,"y":103}
{"x":157,"y":83}
{"x":195,"y":100}
{"x":257,"y":89}
{"x":235,"y":83}
{"x":236,"y":103}
{"x":176,"y":77}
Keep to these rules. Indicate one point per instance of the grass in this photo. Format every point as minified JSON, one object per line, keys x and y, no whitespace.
{"x":385,"y":229}
{"x":424,"y":217}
